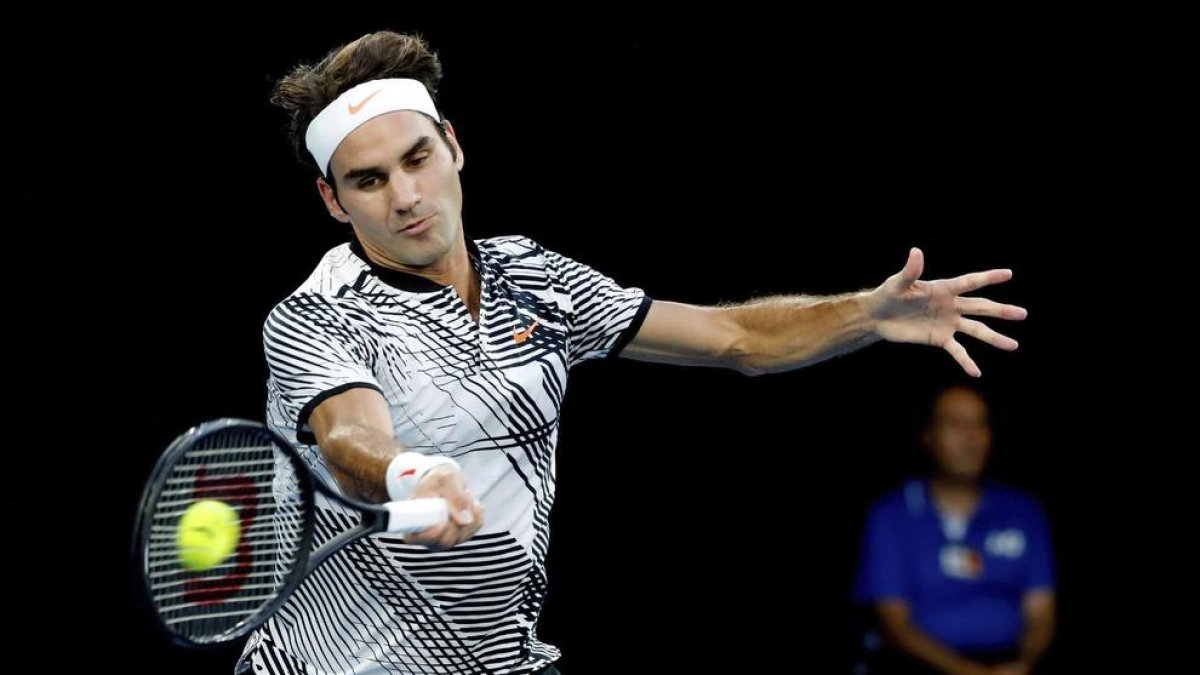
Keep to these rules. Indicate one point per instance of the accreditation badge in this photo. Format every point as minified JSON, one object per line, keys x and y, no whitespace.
{"x":961,"y":562}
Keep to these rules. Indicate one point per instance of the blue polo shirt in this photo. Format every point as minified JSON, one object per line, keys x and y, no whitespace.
{"x":963,"y":580}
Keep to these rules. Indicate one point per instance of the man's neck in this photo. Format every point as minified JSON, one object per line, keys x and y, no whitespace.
{"x":953,"y":496}
{"x":453,"y":269}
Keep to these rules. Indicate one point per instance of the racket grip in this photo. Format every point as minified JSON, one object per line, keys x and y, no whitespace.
{"x":414,"y":515}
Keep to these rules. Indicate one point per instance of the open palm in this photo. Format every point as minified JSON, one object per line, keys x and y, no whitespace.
{"x":908,"y":309}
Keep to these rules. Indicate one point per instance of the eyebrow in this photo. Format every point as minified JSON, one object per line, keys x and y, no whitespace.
{"x":421,"y":144}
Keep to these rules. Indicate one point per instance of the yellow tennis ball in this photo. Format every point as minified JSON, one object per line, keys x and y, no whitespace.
{"x":208,"y":532}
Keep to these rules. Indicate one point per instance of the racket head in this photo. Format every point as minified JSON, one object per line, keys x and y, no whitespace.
{"x":241,"y":463}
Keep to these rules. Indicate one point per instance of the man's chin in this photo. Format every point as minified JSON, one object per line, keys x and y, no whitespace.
{"x":420,"y":251}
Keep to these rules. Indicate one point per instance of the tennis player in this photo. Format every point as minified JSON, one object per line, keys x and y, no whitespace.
{"x":417,"y":361}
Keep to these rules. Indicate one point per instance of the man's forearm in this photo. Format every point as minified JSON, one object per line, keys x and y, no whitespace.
{"x":1036,"y":638}
{"x":917,"y":644}
{"x":787,"y":332}
{"x":358,"y":458}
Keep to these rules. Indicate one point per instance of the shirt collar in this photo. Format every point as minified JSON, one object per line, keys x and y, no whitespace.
{"x":980,"y":509}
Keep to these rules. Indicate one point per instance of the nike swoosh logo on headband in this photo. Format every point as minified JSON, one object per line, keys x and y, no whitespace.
{"x":355,"y":108}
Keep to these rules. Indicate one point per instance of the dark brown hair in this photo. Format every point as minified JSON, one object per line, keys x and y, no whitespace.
{"x":308,"y":89}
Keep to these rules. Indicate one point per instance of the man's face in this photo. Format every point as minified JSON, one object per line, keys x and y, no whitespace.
{"x":959,"y":437}
{"x":398,"y":185}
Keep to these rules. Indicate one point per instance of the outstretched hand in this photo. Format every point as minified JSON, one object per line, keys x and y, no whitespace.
{"x":907,"y":309}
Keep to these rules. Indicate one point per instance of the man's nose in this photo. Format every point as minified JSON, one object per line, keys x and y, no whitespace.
{"x":406,"y":193}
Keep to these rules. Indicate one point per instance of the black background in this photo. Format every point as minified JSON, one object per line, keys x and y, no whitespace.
{"x":704,"y":519}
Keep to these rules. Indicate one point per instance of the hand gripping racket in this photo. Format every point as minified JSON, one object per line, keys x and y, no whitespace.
{"x":243,"y":465}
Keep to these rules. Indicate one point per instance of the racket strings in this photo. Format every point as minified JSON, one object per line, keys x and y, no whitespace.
{"x":241,"y":467}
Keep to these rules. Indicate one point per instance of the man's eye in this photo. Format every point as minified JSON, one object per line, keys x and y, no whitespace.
{"x":418,"y":161}
{"x":367,"y":182}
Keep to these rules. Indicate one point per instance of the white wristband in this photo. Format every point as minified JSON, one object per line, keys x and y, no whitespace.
{"x":407,"y":469}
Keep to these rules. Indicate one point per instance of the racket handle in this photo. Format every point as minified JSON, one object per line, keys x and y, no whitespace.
{"x":414,"y":515}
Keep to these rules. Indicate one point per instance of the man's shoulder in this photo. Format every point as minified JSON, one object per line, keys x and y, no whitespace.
{"x":516,"y":251}
{"x":515,"y":246}
{"x":522,"y":257}
{"x":906,"y":499}
{"x":328,"y":287}
{"x":1008,"y":499}
{"x":337,"y":269}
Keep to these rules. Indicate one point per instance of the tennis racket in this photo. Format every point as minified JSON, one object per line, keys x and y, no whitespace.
{"x":252,"y":469}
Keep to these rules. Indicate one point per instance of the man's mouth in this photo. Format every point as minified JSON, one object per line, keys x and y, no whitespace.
{"x":416,"y":227}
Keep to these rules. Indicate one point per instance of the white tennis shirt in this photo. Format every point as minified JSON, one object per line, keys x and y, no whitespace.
{"x":486,"y":394}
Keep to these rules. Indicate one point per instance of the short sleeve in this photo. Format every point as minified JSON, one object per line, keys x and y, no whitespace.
{"x":1039,"y":553}
{"x":881,"y":569}
{"x":313,"y":352}
{"x":605,"y":316}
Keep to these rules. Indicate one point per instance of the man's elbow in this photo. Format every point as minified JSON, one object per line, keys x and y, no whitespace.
{"x":750,"y":368}
{"x":747,"y":359}
{"x":740,"y":351}
{"x":895,"y":632}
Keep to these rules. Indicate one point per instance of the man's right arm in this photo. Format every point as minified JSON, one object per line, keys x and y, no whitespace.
{"x":354,"y":432}
{"x":901,"y":632}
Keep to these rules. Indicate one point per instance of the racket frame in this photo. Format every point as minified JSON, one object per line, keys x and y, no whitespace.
{"x":373,"y":519}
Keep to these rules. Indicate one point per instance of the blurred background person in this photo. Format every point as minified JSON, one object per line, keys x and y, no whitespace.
{"x":957,"y":569}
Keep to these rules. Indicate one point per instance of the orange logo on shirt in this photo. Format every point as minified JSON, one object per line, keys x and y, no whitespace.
{"x":523,"y":335}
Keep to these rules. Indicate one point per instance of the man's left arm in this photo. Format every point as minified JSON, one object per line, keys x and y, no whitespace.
{"x":1037,"y":599}
{"x":1037,"y":611}
{"x":783,"y":333}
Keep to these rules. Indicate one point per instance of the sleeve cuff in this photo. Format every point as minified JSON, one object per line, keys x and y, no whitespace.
{"x":303,"y":433}
{"x":626,"y":336}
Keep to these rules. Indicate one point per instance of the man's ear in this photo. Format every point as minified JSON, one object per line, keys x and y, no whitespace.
{"x":458,"y":152}
{"x":331,"y":203}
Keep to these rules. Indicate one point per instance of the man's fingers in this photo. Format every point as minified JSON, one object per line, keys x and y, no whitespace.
{"x":960,"y":354}
{"x":464,"y":509}
{"x":429,"y":534}
{"x":441,"y":536}
{"x":977,"y":280}
{"x":457,"y":534}
{"x":991,"y":308}
{"x":466,"y":518}
{"x":451,"y":537}
{"x":469,"y":520}
{"x":983,"y":332}
{"x":450,"y":484}
{"x":913,"y":267}
{"x":463,"y":517}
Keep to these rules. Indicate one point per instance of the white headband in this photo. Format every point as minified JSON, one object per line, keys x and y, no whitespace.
{"x":357,"y":105}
